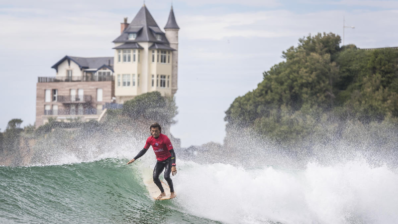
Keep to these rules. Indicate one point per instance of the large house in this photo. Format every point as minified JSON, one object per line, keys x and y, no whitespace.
{"x":145,"y":60}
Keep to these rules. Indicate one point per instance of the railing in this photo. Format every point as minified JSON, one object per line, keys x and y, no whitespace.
{"x":90,"y":111}
{"x":74,"y":99}
{"x":85,"y":78}
{"x":112,"y":106}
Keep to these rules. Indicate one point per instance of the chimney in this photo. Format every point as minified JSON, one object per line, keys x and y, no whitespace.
{"x":124,"y":25}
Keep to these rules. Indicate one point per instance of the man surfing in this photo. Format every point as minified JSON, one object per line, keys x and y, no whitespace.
{"x":165,"y":155}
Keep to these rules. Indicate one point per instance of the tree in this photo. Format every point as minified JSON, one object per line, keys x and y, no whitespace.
{"x":11,"y":135}
{"x":319,"y":81}
{"x":14,"y":124}
{"x":151,"y":106}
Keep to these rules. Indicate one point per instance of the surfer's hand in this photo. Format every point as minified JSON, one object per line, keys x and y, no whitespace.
{"x":131,"y":161}
{"x":173,"y":170}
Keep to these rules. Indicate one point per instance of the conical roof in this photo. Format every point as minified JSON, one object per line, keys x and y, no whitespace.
{"x":171,"y":22}
{"x":145,"y":27}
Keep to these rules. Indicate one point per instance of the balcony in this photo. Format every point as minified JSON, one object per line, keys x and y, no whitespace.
{"x":85,"y":78}
{"x":91,"y":111}
{"x":74,"y":99}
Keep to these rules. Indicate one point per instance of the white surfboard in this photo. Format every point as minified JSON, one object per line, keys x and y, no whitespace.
{"x":153,"y":190}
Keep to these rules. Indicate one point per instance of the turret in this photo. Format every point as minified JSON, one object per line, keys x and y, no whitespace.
{"x":171,"y":30}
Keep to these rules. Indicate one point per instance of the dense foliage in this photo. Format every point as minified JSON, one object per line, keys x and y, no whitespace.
{"x":151,"y":106}
{"x":317,"y":89}
{"x":10,"y":138}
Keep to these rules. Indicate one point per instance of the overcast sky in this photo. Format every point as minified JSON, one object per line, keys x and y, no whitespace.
{"x":225,"y":46}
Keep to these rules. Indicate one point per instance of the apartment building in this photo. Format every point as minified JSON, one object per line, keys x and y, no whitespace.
{"x":79,"y":89}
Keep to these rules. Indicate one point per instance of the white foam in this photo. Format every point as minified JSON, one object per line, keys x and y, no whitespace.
{"x":351,"y":192}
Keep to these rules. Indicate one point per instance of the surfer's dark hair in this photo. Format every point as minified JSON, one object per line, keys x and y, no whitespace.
{"x":155,"y":125}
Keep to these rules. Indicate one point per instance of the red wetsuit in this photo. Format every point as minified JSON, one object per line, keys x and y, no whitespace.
{"x":161,"y":146}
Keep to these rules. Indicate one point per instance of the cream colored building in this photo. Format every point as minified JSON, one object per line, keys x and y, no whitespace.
{"x":146,"y":58}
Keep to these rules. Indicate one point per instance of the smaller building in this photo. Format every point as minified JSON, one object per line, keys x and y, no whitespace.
{"x":79,"y":89}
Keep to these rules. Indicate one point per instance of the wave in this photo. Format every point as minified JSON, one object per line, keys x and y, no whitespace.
{"x":109,"y":191}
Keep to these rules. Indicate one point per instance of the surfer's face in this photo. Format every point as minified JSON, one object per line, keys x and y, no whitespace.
{"x":155,"y":132}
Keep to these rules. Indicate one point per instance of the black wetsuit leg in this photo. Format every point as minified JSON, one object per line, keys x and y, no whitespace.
{"x":159,"y":167}
{"x":167,"y":174}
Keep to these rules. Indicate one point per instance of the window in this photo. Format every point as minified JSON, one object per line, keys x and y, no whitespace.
{"x":132,"y":36}
{"x":163,"y":57}
{"x":168,"y":81}
{"x":138,"y":80}
{"x":69,"y":74}
{"x":126,"y":56}
{"x":163,"y":81}
{"x":157,"y":56}
{"x":72,"y":109}
{"x":119,"y":55}
{"x":157,"y":81}
{"x":80,"y":93}
{"x":168,"y":56}
{"x":126,"y":80}
{"x":118,"y":80}
{"x":80,"y":109}
{"x":102,"y":76}
{"x":47,"y":110}
{"x":55,"y":110}
{"x":99,"y":95}
{"x":153,"y":56}
{"x":153,"y":80}
{"x":158,"y":37}
{"x":72,"y":95}
{"x":138,"y":56}
{"x":55,"y":95}
{"x":133,"y":79}
{"x":48,"y":95}
{"x":133,"y":55}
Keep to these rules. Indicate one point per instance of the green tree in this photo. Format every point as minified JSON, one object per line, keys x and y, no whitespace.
{"x":11,"y":135}
{"x":318,"y":83}
{"x":151,"y":106}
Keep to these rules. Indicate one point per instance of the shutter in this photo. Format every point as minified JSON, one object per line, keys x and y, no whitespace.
{"x":48,"y":95}
{"x":99,"y":95}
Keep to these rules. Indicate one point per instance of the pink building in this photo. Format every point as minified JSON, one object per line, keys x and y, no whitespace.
{"x":79,"y":90}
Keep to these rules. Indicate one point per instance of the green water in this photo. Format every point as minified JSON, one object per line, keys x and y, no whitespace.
{"x":105,"y":191}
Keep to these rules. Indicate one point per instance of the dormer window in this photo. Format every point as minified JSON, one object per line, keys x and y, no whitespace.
{"x":158,"y":37}
{"x":132,"y":36}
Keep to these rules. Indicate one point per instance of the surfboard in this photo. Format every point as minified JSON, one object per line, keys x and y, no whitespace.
{"x":154,"y":191}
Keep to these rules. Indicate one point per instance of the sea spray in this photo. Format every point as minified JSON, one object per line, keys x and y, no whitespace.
{"x":349,"y":192}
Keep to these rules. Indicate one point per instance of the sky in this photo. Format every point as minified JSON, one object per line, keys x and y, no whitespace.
{"x":224,"y":46}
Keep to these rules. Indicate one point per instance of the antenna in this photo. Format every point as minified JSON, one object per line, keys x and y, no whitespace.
{"x":344,"y":27}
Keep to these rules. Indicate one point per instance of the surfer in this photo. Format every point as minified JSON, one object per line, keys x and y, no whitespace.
{"x":165,"y":155}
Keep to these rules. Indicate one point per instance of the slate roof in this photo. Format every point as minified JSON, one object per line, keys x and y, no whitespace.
{"x":146,"y":28}
{"x":171,"y":22}
{"x":161,"y":47}
{"x":87,"y":63}
{"x":129,"y":46}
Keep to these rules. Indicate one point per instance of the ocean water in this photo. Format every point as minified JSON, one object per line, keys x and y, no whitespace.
{"x":109,"y":191}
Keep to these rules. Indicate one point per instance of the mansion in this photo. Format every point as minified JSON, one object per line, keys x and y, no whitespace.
{"x":145,"y":60}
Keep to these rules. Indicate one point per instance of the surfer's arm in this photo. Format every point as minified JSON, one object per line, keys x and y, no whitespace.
{"x":173,"y":157}
{"x":173,"y":162}
{"x":141,"y":153}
